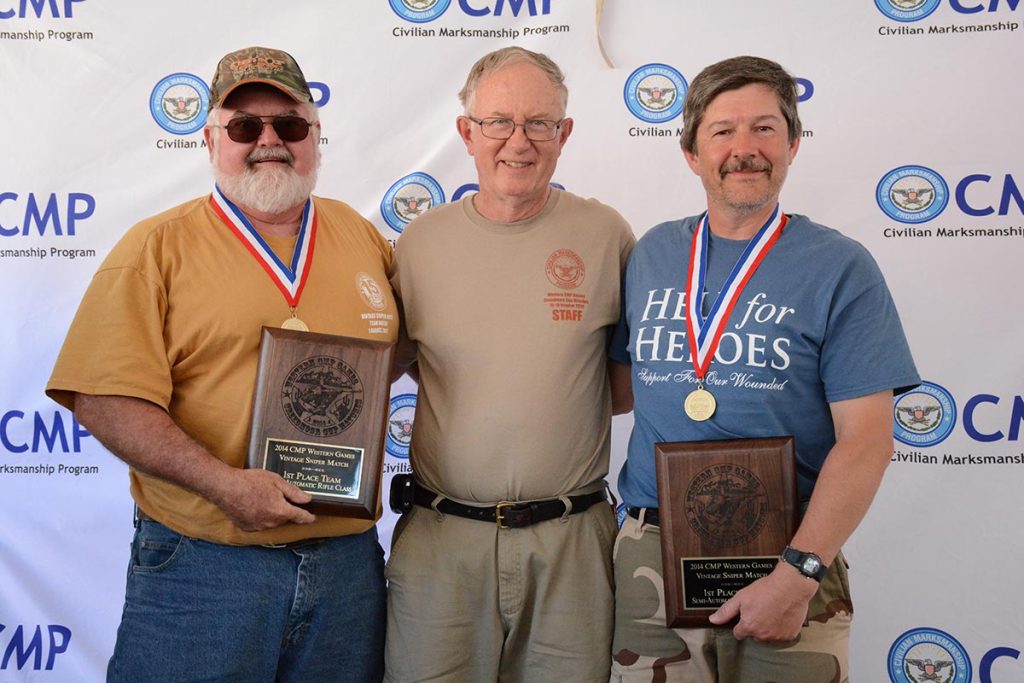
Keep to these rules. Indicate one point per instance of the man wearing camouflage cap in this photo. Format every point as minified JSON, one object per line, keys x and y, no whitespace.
{"x":229,"y":577}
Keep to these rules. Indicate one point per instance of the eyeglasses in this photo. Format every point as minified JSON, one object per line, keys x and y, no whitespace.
{"x":498,"y":128}
{"x":250,"y":128}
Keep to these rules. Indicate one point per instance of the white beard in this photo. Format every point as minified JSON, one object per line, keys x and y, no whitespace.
{"x":268,"y":188}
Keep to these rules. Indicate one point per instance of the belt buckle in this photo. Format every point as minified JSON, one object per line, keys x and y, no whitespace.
{"x":499,"y":518}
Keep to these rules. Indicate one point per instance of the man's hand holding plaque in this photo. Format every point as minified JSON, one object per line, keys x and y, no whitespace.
{"x":255,"y":499}
{"x":771,"y":609}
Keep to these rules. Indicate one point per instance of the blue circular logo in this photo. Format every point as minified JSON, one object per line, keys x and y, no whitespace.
{"x":655,"y":92}
{"x":906,"y":10}
{"x":410,"y":197}
{"x":928,"y":655}
{"x":912,"y":194}
{"x":924,"y":416}
{"x":420,"y":11}
{"x":400,"y":419}
{"x":620,"y":513}
{"x":179,"y":103}
{"x":465,"y":189}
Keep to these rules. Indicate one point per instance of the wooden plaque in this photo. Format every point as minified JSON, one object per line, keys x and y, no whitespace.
{"x":319,"y":415}
{"x":727,"y":510}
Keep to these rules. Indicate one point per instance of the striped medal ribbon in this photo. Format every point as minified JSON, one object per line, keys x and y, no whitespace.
{"x":290,"y":280}
{"x":704,"y":333}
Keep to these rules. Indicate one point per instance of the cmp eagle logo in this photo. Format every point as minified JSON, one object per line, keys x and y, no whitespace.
{"x":179,"y":103}
{"x":919,"y":417}
{"x":183,"y":107}
{"x":400,"y":421}
{"x":419,"y":11}
{"x":409,"y":198}
{"x":927,"y":655}
{"x":924,"y":416}
{"x":907,"y":10}
{"x":912,"y":194}
{"x":931,"y":671}
{"x":657,"y":95}
{"x":411,"y":205}
{"x":654,"y":93}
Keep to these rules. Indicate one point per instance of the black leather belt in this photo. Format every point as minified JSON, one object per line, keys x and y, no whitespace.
{"x":509,"y":515}
{"x":650,"y":517}
{"x":141,"y":516}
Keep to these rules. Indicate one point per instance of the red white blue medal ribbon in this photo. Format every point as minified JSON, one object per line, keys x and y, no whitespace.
{"x":290,"y":280}
{"x":705,"y":333}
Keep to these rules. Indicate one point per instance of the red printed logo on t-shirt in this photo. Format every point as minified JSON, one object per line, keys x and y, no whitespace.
{"x":565,"y":269}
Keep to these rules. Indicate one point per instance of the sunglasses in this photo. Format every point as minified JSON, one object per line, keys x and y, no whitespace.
{"x":249,"y":128}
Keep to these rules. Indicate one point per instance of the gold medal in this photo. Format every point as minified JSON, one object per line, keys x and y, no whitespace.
{"x":699,"y":404}
{"x":294,"y":323}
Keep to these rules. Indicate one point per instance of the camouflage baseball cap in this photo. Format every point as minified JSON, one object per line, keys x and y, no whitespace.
{"x":258,"y":65}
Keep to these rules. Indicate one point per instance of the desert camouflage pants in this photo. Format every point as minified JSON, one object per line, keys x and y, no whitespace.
{"x":644,"y":649}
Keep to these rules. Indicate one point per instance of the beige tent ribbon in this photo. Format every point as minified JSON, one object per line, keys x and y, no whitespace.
{"x":599,"y":11}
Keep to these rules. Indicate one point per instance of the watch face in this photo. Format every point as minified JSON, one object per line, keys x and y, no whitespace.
{"x":811,"y":565}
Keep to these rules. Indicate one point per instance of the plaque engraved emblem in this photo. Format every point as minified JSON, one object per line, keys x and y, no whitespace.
{"x":322,"y":396}
{"x":726,"y":505}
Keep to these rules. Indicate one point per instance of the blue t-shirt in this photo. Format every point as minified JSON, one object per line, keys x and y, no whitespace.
{"x":815,"y":324}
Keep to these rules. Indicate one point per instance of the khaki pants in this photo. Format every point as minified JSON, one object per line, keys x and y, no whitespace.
{"x":470,"y":602}
{"x":645,"y":650}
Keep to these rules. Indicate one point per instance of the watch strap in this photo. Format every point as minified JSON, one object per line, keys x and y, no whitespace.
{"x":808,"y":564}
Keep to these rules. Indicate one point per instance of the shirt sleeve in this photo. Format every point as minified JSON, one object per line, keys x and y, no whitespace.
{"x":115,"y":345}
{"x":405,"y":353}
{"x":618,"y":347}
{"x":865,"y":349}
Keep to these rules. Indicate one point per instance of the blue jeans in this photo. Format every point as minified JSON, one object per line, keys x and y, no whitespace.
{"x":199,"y":611}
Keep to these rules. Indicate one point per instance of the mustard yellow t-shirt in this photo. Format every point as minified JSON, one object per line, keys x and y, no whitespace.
{"x":174,"y":315}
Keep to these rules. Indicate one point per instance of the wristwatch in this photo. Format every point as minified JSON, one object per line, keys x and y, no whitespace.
{"x":808,"y":564}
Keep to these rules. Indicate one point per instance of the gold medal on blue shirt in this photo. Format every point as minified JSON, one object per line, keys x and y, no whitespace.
{"x":704,"y":333}
{"x":699,"y":404}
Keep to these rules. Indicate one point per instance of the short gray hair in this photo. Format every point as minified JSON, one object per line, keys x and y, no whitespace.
{"x":732,"y":74}
{"x":506,"y":56}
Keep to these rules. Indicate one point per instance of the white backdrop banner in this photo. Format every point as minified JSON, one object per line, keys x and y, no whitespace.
{"x":912,"y":146}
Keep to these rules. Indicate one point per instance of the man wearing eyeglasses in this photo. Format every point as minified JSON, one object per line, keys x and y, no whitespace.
{"x":500,"y":570}
{"x":229,"y":577}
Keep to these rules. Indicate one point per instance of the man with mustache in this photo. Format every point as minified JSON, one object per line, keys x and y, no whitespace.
{"x":229,"y":577}
{"x":795,"y":334}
